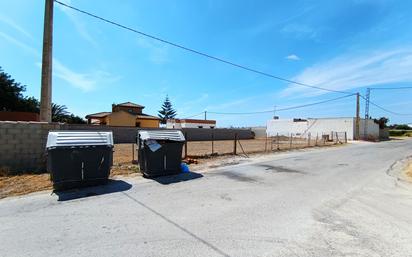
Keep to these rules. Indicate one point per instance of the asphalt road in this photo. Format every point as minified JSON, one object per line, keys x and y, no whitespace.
{"x":343,"y":201}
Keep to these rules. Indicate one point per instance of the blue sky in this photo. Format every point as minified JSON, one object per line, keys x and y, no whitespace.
{"x":343,"y":45}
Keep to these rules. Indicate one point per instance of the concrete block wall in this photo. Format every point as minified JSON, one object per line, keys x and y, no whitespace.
{"x":22,"y":145}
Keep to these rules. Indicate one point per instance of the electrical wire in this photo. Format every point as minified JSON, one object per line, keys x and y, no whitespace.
{"x":389,"y":88}
{"x":194,"y":115}
{"x":386,"y":110}
{"x":199,"y":52}
{"x":282,"y":109}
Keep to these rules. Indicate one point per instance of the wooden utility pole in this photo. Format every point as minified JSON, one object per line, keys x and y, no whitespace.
{"x":205,"y":115}
{"x":357,"y":121}
{"x":46,"y":71}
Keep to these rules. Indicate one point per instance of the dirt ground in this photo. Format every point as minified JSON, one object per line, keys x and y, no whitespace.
{"x":408,"y":170}
{"x":125,"y":156}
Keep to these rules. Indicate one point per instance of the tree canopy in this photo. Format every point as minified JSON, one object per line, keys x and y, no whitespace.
{"x":12,"y":99}
{"x":166,"y":112}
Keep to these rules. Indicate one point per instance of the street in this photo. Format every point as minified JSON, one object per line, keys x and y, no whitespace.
{"x":337,"y":201}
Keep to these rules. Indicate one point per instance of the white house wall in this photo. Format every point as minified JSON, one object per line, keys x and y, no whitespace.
{"x":329,"y":125}
{"x":372,"y":130}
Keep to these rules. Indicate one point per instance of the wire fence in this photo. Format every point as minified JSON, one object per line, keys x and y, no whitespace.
{"x":126,"y":154}
{"x":198,"y":149}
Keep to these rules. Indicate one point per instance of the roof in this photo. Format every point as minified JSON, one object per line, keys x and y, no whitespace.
{"x":194,"y":121}
{"x":148,"y":117}
{"x":105,"y":114}
{"x":98,"y":115}
{"x":130,"y":104}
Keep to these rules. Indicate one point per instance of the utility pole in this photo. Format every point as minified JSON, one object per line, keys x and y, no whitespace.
{"x":205,"y":115}
{"x":274,"y":112}
{"x":357,"y":122}
{"x":46,"y":71}
{"x":365,"y":125}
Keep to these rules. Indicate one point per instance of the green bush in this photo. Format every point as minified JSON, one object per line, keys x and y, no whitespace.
{"x":399,"y":133}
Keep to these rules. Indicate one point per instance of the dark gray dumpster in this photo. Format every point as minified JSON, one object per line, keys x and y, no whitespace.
{"x":160,"y":152}
{"x":79,"y":158}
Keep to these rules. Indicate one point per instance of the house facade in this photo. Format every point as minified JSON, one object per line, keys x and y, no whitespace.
{"x":190,"y":123}
{"x":124,"y":114}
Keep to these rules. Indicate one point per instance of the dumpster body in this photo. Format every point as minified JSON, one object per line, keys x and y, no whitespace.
{"x":160,"y":152}
{"x":79,"y":158}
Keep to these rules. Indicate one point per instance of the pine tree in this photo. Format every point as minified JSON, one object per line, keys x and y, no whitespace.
{"x":167,"y":111}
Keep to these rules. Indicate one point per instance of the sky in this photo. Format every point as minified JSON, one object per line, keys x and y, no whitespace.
{"x":340,"y":45}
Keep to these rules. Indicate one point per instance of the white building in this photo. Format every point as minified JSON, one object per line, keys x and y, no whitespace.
{"x":190,"y":123}
{"x":321,"y":126}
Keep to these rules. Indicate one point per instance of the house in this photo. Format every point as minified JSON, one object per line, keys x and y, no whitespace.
{"x":124,"y":114}
{"x":322,"y":126}
{"x":190,"y":123}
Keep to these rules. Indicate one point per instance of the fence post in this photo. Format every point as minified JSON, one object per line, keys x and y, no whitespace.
{"x":337,"y":138}
{"x":235,"y":145}
{"x":309,"y":139}
{"x":290,"y":141}
{"x":213,"y":139}
{"x":132,"y":152}
{"x":266,"y":143}
{"x":277,"y":141}
{"x":317,"y":136}
{"x":346,"y":138}
{"x":185,"y":145}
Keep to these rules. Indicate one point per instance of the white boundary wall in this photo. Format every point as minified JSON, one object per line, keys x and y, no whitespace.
{"x":320,"y":126}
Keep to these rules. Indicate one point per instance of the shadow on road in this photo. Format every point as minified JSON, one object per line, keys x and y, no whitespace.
{"x":166,"y":180}
{"x":112,"y":186}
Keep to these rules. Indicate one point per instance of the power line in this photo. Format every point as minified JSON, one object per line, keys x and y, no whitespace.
{"x":389,"y":88}
{"x":282,"y":109}
{"x":194,"y":115}
{"x":386,"y":110}
{"x":199,"y":52}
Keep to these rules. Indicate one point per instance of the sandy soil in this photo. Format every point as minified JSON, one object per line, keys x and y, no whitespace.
{"x":408,"y":171}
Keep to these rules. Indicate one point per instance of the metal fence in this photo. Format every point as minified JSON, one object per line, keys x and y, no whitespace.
{"x":127,"y":153}
{"x":196,"y":149}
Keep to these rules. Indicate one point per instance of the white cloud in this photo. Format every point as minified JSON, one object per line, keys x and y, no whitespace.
{"x":300,"y":31}
{"x":84,"y":81}
{"x":293,"y":57}
{"x":158,"y":53}
{"x":15,"y":26}
{"x":352,"y":71}
{"x":20,"y":44}
{"x":81,"y":29}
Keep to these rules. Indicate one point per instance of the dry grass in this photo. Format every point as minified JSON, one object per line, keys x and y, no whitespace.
{"x":24,"y":184}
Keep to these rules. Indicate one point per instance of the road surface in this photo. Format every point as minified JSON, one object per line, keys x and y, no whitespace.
{"x":341,"y":201}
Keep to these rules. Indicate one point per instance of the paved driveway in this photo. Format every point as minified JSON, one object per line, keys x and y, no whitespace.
{"x":342,"y":201}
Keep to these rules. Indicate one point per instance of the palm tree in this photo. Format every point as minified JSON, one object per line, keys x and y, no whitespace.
{"x":59,"y":112}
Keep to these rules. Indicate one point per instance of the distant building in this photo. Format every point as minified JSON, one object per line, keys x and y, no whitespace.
{"x":190,"y":123}
{"x":124,"y":114}
{"x":321,"y":126}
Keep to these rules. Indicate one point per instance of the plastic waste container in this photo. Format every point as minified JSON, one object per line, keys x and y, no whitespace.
{"x":160,"y":152}
{"x":79,"y":158}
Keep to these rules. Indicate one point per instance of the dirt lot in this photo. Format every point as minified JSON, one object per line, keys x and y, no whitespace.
{"x":124,"y":154}
{"x":408,"y":170}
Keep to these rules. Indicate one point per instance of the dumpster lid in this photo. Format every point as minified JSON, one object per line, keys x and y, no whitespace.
{"x":79,"y":138}
{"x":173,"y":135}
